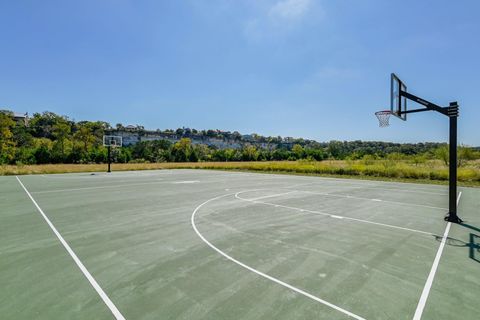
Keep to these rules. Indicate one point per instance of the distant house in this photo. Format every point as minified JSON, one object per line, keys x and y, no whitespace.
{"x":131,"y":128}
{"x":21,"y":117}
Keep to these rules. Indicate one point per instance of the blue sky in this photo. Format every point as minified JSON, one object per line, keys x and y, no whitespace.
{"x":301,"y":68}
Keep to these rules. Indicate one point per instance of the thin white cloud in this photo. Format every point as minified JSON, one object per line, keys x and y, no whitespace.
{"x":289,"y":9}
{"x":276,"y":19}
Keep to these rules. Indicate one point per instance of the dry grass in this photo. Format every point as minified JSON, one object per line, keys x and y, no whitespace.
{"x":71,"y":168}
{"x":429,"y":172}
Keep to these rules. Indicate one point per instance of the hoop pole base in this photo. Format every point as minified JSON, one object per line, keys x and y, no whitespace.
{"x":452,"y":217}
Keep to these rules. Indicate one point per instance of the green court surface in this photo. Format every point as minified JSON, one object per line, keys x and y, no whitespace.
{"x":195,"y":244}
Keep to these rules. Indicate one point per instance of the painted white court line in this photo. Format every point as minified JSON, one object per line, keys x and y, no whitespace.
{"x":383,"y":185}
{"x":127,"y":185}
{"x":331,"y":215}
{"x":411,"y":190}
{"x":112,"y":175}
{"x":185,"y":182}
{"x":273,"y":195}
{"x":116,"y":313}
{"x":369,"y":199}
{"x":383,"y":188}
{"x":264,"y":275}
{"x":112,"y":186}
{"x":428,"y":285}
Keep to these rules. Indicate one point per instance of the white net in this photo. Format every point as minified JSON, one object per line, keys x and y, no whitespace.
{"x":383,"y":118}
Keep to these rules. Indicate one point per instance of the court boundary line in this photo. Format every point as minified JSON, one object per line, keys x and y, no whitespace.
{"x":116,"y":313}
{"x":124,"y":185}
{"x":336,"y":216}
{"x":431,"y":276}
{"x":371,"y":182}
{"x":366,"y":184}
{"x":112,"y":186}
{"x":264,"y":275}
{"x":158,"y":173}
{"x":371,"y":199}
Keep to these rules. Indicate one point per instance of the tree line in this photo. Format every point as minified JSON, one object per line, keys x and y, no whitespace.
{"x":52,"y":138}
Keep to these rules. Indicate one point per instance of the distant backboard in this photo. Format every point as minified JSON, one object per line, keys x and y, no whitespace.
{"x":398,"y":104}
{"x":112,"y":141}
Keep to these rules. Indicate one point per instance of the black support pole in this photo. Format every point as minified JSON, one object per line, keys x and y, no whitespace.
{"x":452,"y":112}
{"x":452,"y":192}
{"x":109,"y":158}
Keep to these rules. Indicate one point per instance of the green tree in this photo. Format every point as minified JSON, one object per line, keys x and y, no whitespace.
{"x":97,"y":129}
{"x":84,"y":135}
{"x":7,"y":144}
{"x":249,"y":153}
{"x":182,"y":150}
{"x":202,"y":152}
{"x":315,"y":154}
{"x":465,"y":154}
{"x":298,"y":151}
{"x":22,"y":136}
{"x":61,"y":132}
{"x":43,"y":147}
{"x":42,"y":124}
{"x":337,"y":149}
{"x":230,"y":154}
{"x":442,"y":153}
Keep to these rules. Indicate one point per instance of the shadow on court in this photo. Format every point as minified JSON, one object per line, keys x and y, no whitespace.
{"x":473,"y":245}
{"x":469,"y":226}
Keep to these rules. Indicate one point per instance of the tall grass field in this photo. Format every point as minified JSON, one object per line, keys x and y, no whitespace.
{"x":432,"y":171}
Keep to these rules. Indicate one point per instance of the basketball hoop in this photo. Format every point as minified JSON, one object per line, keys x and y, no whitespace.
{"x":383,"y":117}
{"x":112,"y":141}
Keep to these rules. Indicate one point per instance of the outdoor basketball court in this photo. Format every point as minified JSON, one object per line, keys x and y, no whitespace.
{"x":195,"y":244}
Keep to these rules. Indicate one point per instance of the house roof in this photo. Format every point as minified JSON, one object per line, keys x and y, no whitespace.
{"x":19,"y":115}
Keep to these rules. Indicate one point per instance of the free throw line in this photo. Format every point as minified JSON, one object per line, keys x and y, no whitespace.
{"x":264,"y":275}
{"x":116,"y":313}
{"x":370,"y":199}
{"x":326,"y":214}
{"x":428,"y":285}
